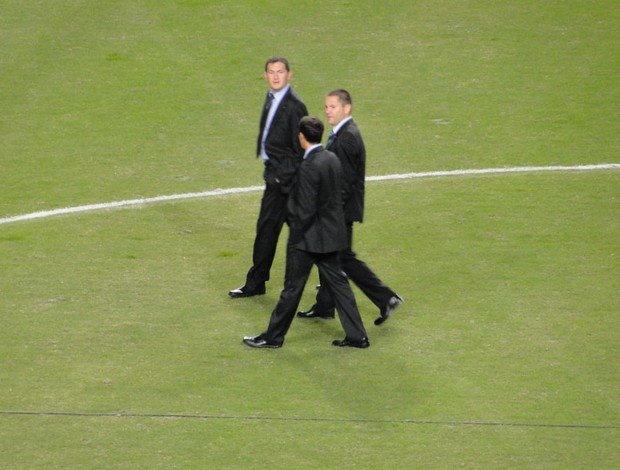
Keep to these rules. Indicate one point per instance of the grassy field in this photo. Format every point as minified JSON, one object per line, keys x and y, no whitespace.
{"x":119,"y":346}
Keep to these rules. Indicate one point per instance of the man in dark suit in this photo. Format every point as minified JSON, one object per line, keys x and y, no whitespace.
{"x":278,"y":146}
{"x":346,"y":142}
{"x":317,"y":234}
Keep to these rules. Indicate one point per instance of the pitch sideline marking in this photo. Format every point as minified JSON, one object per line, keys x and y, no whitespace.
{"x":218,"y":192}
{"x":221,"y":192}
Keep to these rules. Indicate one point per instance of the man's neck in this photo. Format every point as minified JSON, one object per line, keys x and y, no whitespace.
{"x":309,"y":148}
{"x":337,"y":127}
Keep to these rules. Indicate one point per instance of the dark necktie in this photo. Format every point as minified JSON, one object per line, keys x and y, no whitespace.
{"x":266,"y":108}
{"x":330,"y":140}
{"x":263,"y":120}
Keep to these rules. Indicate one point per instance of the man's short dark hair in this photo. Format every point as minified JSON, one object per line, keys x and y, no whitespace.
{"x":273,"y":60}
{"x":343,"y":95}
{"x":312,"y":128}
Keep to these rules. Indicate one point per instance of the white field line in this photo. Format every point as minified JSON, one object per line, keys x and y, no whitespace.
{"x":221,"y":192}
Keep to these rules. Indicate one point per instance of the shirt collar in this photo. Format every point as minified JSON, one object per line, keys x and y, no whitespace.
{"x":340,"y":124}
{"x":278,"y":95}
{"x":310,"y":150}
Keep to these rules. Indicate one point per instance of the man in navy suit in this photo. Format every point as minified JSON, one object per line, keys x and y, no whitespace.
{"x":317,"y":234}
{"x":346,"y":142}
{"x":278,"y":146}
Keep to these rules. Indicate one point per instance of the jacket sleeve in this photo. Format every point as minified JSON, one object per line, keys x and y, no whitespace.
{"x":282,"y":144}
{"x":350,"y":156}
{"x":290,"y":164}
{"x":304,"y":201}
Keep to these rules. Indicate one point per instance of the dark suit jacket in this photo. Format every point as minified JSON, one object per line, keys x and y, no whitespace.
{"x":282,"y":143}
{"x":315,"y":205}
{"x":348,"y":145}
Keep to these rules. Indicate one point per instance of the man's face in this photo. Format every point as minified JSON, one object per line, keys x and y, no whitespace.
{"x":277,"y":76}
{"x":335,"y":110}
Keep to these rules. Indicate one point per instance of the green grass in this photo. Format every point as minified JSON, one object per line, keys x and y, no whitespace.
{"x":119,"y":346}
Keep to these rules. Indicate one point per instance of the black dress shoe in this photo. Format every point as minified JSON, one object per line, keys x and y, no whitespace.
{"x":259,"y":342}
{"x":314,"y":313}
{"x":243,"y":291}
{"x":349,"y":343}
{"x":388,"y":310}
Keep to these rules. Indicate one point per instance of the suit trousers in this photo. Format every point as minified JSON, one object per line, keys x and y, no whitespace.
{"x":271,"y":218}
{"x":298,"y":266}
{"x":358,"y":272}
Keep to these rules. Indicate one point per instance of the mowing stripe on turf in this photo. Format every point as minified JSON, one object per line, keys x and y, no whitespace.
{"x":221,"y":192}
{"x":291,"y":418}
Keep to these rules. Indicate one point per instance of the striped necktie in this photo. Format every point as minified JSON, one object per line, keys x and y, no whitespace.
{"x":330,"y":140}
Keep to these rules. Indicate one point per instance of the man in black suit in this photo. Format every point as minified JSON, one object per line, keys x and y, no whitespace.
{"x":317,"y":234}
{"x":278,"y":146}
{"x":346,"y":142}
